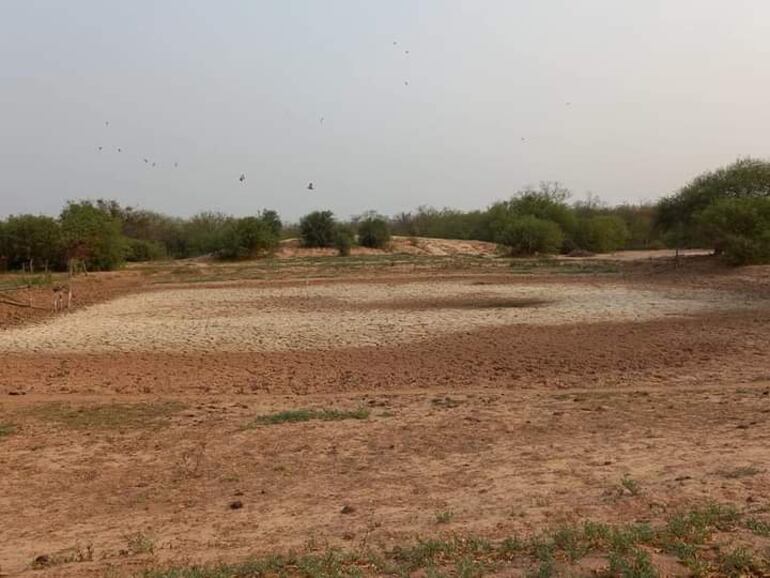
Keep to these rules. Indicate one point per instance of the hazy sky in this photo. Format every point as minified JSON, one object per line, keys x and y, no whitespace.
{"x":659,"y":90}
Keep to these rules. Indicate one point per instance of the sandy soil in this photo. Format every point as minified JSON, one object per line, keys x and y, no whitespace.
{"x":511,"y":417}
{"x":323,"y":316}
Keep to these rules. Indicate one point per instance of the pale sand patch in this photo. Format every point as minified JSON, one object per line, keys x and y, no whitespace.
{"x":263,"y":319}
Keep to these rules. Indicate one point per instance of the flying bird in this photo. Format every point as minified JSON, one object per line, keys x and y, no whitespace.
{"x":406,"y":52}
{"x":106,"y":123}
{"x":310,"y":186}
{"x":99,"y":148}
{"x":242,"y":178}
{"x":406,"y":83}
{"x":153,"y":164}
{"x":120,"y":150}
{"x":176,"y":165}
{"x":146,"y":161}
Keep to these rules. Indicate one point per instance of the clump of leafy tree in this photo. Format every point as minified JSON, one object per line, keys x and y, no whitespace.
{"x":248,"y":237}
{"x":724,"y":209}
{"x":92,"y":235}
{"x":738,"y":228}
{"x":344,"y":239}
{"x":530,"y":235}
{"x":373,"y":231}
{"x":318,"y":229}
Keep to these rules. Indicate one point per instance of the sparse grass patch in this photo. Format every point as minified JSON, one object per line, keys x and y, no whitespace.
{"x":444,"y":517}
{"x":630,"y":485}
{"x":5,"y":430}
{"x":759,"y":527}
{"x":555,"y":553}
{"x":138,"y":543}
{"x":740,"y":562}
{"x":740,"y":472}
{"x":300,"y":415}
{"x":110,"y":416}
{"x":67,"y":556}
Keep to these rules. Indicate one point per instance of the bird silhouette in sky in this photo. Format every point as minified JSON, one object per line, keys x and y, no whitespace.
{"x":99,"y":148}
{"x":153,"y":164}
{"x":120,"y":150}
{"x":242,"y":178}
{"x":176,"y":165}
{"x":106,"y":123}
{"x":310,"y":186}
{"x":406,"y":83}
{"x":146,"y":161}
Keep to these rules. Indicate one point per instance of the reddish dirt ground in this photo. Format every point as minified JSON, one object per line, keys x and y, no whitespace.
{"x":509,"y":428}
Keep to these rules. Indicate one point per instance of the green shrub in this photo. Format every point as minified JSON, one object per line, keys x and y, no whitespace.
{"x":602,"y":234}
{"x":529,"y":235}
{"x":92,"y":235}
{"x":31,"y":240}
{"x":318,"y":229}
{"x":739,"y":229}
{"x":373,"y":232}
{"x":247,"y":237}
{"x":140,"y":250}
{"x":343,"y":240}
{"x":746,"y":178}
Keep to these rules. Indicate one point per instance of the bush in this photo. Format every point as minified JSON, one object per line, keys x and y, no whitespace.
{"x":92,"y":235}
{"x":343,"y":240}
{"x":247,"y":237}
{"x":602,"y":234}
{"x":373,"y":232}
{"x":32,"y":241}
{"x":529,"y":235}
{"x":746,"y":178}
{"x":141,"y":250}
{"x":318,"y":229}
{"x":739,"y":229}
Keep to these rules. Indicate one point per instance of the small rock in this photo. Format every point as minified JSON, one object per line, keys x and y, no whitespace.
{"x":238,"y":493}
{"x":682,"y":478}
{"x":236,"y":505}
{"x":346,"y":509}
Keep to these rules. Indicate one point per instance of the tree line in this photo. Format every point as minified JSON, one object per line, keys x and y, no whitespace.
{"x":727,"y":209}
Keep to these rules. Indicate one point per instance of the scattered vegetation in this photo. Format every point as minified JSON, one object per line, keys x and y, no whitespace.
{"x":626,"y":550}
{"x":300,"y":415}
{"x":373,"y":231}
{"x":444,"y":517}
{"x":727,"y":209}
{"x":5,"y":430}
{"x":630,"y":485}
{"x":318,"y":229}
{"x":111,"y":416}
{"x":740,"y":472}
{"x":67,"y":556}
{"x":138,"y":543}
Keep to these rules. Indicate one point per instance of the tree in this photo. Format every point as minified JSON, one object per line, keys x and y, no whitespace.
{"x":739,"y":228}
{"x":247,"y":238}
{"x":273,"y":221}
{"x":529,"y":235}
{"x":318,"y":229}
{"x":745,"y":178}
{"x":373,"y":232}
{"x":32,"y":241}
{"x":602,"y":234}
{"x":92,"y":235}
{"x":343,"y":240}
